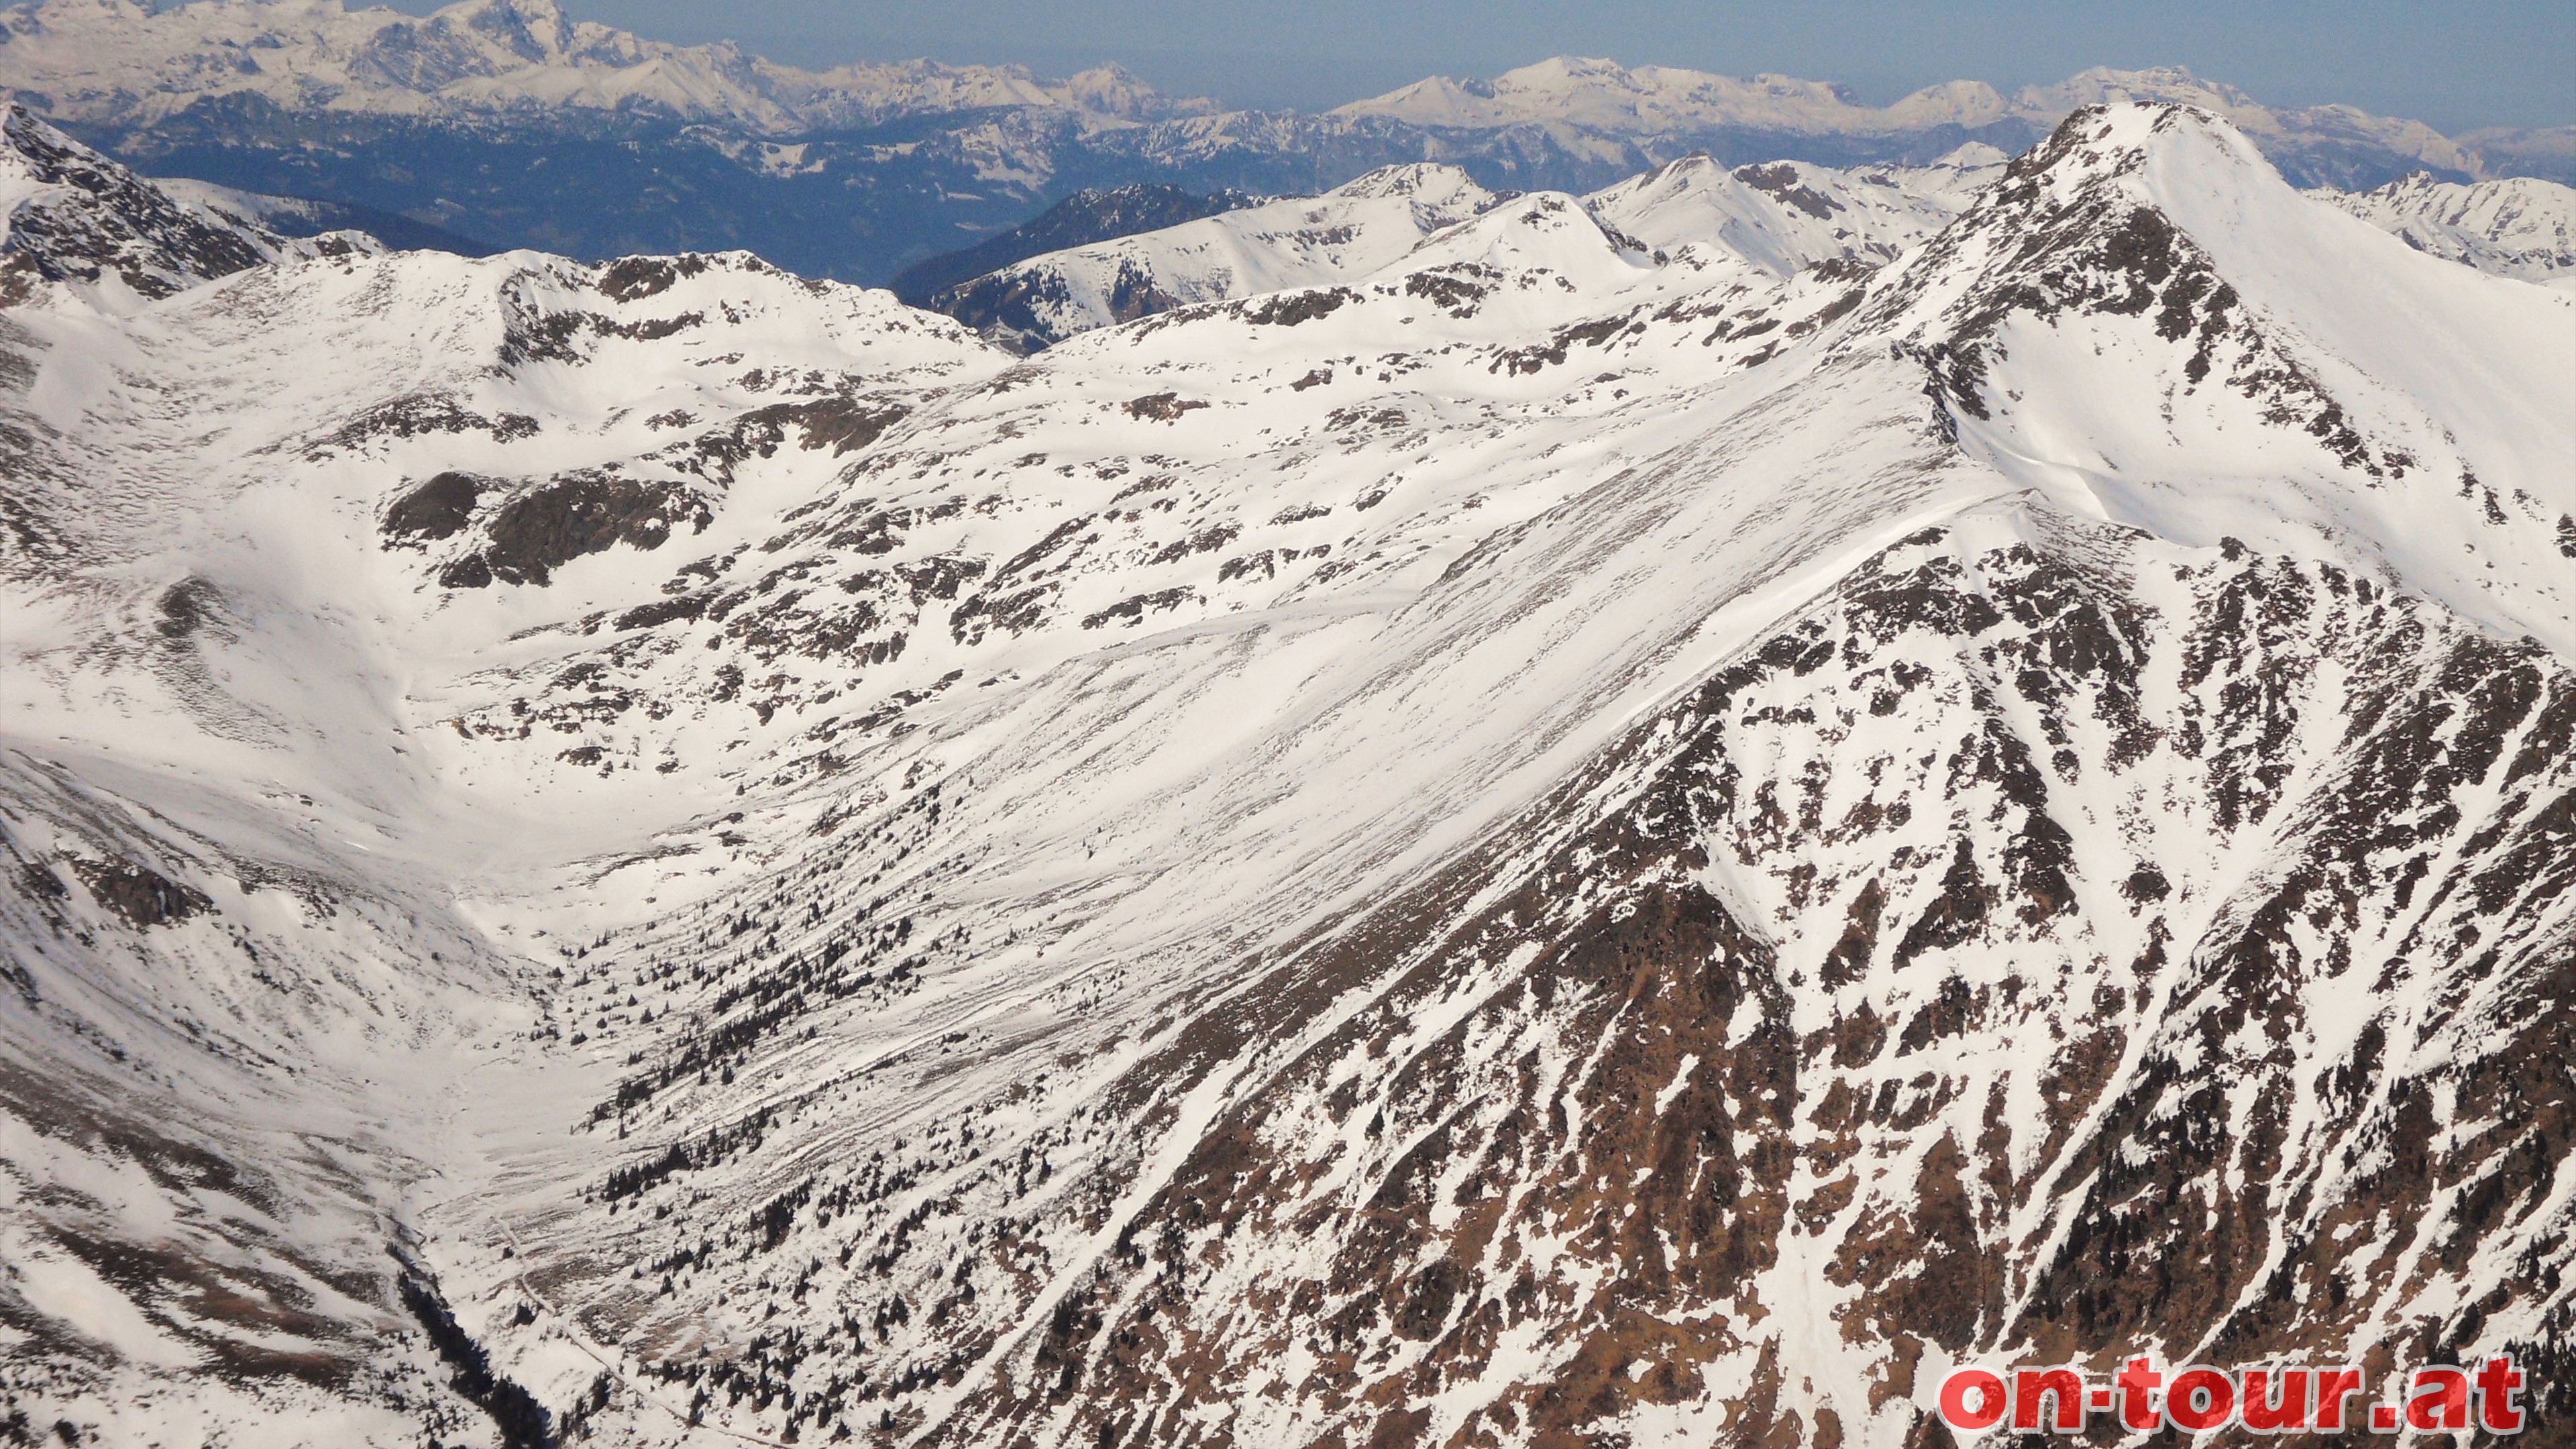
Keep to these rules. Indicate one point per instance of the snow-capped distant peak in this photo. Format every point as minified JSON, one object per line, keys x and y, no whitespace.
{"x":1600,"y":95}
{"x":1779,"y":218}
{"x":1429,"y":182}
{"x":120,"y":62}
{"x":2325,"y":128}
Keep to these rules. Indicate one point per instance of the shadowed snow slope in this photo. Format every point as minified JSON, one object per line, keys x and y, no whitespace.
{"x":1558,"y":836}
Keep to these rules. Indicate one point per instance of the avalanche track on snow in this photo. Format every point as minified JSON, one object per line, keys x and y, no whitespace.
{"x":1638,"y":819}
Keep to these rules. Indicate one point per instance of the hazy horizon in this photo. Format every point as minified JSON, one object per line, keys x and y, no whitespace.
{"x":2510,"y":67}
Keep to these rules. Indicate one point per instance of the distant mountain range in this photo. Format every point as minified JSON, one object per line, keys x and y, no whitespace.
{"x":122,"y":62}
{"x":509,"y":123}
{"x":519,"y":127}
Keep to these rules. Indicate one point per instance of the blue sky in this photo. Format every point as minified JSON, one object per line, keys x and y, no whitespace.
{"x":2456,"y":65}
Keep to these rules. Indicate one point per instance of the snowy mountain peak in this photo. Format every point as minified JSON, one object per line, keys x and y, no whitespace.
{"x":1429,"y":183}
{"x":1667,"y":100}
{"x":1972,"y":104}
{"x":1600,"y":93}
{"x":536,"y":31}
{"x":1778,"y":218}
{"x":1787,"y":215}
{"x":2159,"y":235}
{"x":780,"y":159}
{"x":2102,"y":85}
{"x":2104,"y":140}
{"x":1112,"y":90}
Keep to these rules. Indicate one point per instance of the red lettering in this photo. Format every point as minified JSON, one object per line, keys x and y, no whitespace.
{"x":2032,"y":1385}
{"x":2439,"y":1399}
{"x":2498,"y":1382}
{"x":2138,"y":1384}
{"x":1954,"y":1399}
{"x":2200,"y":1399}
{"x":2265,"y":1417}
{"x":2333,"y":1387}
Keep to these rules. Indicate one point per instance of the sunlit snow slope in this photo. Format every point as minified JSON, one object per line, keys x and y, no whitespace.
{"x":1568,"y":836}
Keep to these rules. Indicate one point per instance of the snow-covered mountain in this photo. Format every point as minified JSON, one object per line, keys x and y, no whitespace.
{"x":1536,"y":845}
{"x":1789,"y":215}
{"x":1776,"y":218}
{"x":2546,"y":152}
{"x":2518,"y":228}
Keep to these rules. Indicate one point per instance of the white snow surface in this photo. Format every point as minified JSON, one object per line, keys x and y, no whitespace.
{"x":1793,"y":214}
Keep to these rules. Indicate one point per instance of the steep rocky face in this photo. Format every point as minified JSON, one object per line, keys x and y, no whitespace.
{"x":1544,"y":844}
{"x":75,"y":215}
